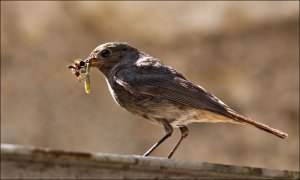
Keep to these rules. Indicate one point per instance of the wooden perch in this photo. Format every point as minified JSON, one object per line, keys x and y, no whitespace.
{"x":18,"y":162}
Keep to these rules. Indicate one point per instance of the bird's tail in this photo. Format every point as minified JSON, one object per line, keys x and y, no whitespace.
{"x":258,"y":125}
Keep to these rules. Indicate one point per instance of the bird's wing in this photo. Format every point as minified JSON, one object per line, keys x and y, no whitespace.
{"x":165,"y":82}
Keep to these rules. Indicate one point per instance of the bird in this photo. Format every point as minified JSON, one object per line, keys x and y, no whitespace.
{"x":148,"y":88}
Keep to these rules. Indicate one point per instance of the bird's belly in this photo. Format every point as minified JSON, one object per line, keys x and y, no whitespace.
{"x":198,"y":115}
{"x":157,"y":109}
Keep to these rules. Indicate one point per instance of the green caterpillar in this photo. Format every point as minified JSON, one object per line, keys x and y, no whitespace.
{"x":87,"y":81}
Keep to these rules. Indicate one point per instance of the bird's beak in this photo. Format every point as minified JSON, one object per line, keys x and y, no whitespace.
{"x":93,"y":62}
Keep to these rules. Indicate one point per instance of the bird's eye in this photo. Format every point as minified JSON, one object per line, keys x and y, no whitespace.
{"x":105,"y":53}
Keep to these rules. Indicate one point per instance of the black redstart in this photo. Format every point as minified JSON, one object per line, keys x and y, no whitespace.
{"x":146,"y":87}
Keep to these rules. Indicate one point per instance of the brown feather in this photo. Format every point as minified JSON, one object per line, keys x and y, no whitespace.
{"x":259,"y":125}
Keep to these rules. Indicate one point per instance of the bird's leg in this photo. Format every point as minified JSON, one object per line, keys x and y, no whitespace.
{"x":184,"y":132}
{"x":168,"y":130}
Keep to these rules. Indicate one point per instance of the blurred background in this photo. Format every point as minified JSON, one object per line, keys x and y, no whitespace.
{"x":245,"y":53}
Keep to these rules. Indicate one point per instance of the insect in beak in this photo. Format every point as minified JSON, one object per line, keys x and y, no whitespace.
{"x":81,"y":69}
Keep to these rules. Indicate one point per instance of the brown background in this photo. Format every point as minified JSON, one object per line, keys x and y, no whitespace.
{"x":245,"y":53}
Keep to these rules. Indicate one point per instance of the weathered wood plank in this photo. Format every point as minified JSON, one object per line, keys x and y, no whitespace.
{"x":19,"y":162}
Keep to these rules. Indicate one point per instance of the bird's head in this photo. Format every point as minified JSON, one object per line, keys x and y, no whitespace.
{"x":105,"y":57}
{"x":108,"y":55}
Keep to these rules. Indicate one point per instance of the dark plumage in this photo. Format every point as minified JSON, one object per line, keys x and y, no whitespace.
{"x":146,"y":87}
